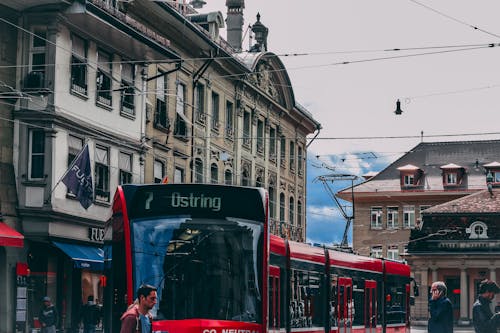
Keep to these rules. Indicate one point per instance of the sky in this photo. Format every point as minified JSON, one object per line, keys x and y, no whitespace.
{"x":441,"y":59}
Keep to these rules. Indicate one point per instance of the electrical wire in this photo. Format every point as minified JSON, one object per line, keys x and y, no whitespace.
{"x":454,"y":19}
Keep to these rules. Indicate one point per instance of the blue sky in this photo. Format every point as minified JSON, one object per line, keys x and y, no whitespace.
{"x":325,"y":223}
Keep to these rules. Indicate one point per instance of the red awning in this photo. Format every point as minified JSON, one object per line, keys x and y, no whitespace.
{"x":10,"y":237}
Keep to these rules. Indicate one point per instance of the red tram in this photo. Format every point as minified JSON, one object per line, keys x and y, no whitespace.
{"x":208,"y":251}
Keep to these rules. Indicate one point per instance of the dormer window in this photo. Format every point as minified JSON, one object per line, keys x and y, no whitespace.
{"x":493,"y":173}
{"x":411,"y":175}
{"x":452,"y":174}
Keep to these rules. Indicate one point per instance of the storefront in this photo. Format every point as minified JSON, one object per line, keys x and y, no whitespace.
{"x":11,"y":253}
{"x":67,"y":269}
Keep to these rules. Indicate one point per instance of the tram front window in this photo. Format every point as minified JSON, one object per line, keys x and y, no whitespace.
{"x":203,"y":268}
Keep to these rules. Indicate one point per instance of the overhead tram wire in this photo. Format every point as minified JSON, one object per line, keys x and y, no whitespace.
{"x":454,"y":19}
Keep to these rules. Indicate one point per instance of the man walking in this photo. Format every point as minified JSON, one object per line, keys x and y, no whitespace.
{"x":90,"y":315}
{"x":48,"y":316}
{"x":440,"y":309}
{"x":482,"y":317}
{"x":137,"y":318}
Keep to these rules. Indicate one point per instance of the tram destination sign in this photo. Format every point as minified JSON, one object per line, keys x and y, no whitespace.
{"x":196,"y":200}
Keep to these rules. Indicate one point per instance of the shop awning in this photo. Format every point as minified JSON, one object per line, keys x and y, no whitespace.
{"x":84,"y":256}
{"x":10,"y":237}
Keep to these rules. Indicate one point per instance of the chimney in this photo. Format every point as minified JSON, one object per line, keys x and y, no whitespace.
{"x":234,"y":22}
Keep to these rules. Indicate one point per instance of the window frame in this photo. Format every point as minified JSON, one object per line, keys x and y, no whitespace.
{"x":127,"y":95}
{"x":376,"y":212}
{"x":102,"y":172}
{"x":392,"y":217}
{"x":158,"y":166}
{"x":408,"y":216}
{"x":31,"y":153}
{"x":104,"y":97}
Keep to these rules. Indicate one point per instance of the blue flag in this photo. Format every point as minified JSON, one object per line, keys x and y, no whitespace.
{"x":78,"y":178}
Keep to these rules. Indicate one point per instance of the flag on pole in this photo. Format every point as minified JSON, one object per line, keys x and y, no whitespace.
{"x":78,"y":178}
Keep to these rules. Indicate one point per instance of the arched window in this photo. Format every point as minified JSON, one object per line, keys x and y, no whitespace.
{"x":291,"y":212}
{"x":282,"y":207}
{"x":198,"y":171}
{"x":214,"y":174}
{"x":228,"y":177}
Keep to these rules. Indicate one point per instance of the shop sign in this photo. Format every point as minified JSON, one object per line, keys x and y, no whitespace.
{"x":96,"y":234}
{"x":484,"y":245}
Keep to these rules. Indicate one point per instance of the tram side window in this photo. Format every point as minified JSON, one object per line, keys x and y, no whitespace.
{"x":306,"y":302}
{"x":395,"y":301}
{"x":333,"y":300}
{"x":358,"y":297}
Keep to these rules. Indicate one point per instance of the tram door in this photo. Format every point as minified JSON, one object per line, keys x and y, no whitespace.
{"x":370,"y":306}
{"x":274,"y":298}
{"x":345,"y":305}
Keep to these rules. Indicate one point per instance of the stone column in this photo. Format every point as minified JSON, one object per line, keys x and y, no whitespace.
{"x":434,"y":274}
{"x":493,"y":277}
{"x":464,"y":295}
{"x":421,"y":302}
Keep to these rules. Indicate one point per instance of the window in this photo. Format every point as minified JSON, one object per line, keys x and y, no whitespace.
{"x":103,"y":78}
{"x":158,"y":171}
{"x":180,"y":107}
{"x":215,"y":111}
{"x":260,"y":136}
{"x":229,"y":120}
{"x":300,"y":161}
{"x":408,"y":180}
{"x":245,"y":177}
{"x":198,"y":171}
{"x":299,"y":214}
{"x":214,"y":174}
{"x":228,"y":177}
{"x":408,"y":216}
{"x":292,"y":155}
{"x":282,"y":207}
{"x":272,"y":202}
{"x":291,"y":211}
{"x":393,"y":252}
{"x":102,"y":174}
{"x":161,"y":115}
{"x":79,"y":65}
{"x":199,"y":103}
{"x":36,"y":77}
{"x":272,"y":144}
{"x":37,"y":155}
{"x":450,"y":178}
{"x":246,"y":130}
{"x":376,"y":251}
{"x":75,"y":146}
{"x":178,"y":175}
{"x":259,"y":182}
{"x":128,"y":91}
{"x":125,"y":166}
{"x":392,"y":218}
{"x":282,"y":151}
{"x":376,"y":218}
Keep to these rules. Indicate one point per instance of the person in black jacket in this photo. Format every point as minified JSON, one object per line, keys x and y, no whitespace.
{"x":440,"y":309}
{"x":483,"y":319}
{"x":90,"y":315}
{"x":48,"y":316}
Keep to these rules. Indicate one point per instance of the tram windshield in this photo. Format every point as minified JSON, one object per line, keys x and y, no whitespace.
{"x":203,"y":268}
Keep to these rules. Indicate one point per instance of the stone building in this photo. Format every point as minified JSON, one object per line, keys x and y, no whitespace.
{"x":458,"y":243}
{"x":389,"y":205}
{"x":155,"y":93}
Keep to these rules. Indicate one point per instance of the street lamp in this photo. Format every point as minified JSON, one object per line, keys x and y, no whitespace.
{"x":398,"y":110}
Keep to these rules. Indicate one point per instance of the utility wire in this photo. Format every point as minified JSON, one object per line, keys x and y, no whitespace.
{"x":454,"y":19}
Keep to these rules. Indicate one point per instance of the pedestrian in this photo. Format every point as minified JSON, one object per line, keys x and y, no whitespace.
{"x":48,"y":316}
{"x":137,"y":318}
{"x":482,"y":317}
{"x":90,"y":315}
{"x":440,"y":309}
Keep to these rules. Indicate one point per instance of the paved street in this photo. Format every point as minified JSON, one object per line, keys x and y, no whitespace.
{"x":423,"y":329}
